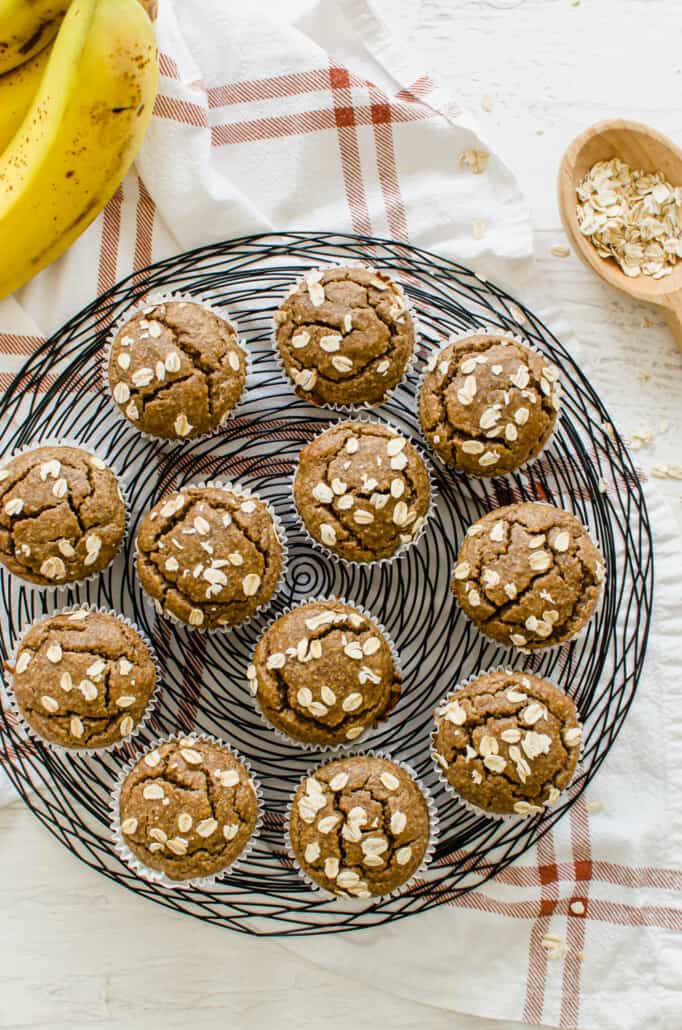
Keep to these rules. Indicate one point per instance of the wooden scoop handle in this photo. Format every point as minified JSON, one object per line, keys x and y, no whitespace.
{"x":672,"y":310}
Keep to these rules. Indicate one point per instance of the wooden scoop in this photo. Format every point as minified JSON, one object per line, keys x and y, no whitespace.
{"x":640,"y":147}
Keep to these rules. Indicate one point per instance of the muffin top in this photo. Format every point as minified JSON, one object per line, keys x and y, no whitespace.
{"x":488,"y":404}
{"x":345,"y":336}
{"x":188,"y":808}
{"x":83,"y":679}
{"x":362,"y":491}
{"x":62,"y":516}
{"x":359,"y":827}
{"x":209,"y":556}
{"x":528,"y":575}
{"x":508,"y":742}
{"x":176,"y":370}
{"x":324,"y":673}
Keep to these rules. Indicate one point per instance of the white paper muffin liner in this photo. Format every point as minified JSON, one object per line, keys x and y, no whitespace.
{"x":349,"y":409}
{"x":434,"y":827}
{"x":404,"y":548}
{"x":542,"y":649}
{"x":340,"y":748}
{"x":508,"y":817}
{"x":53,"y":588}
{"x":60,"y":749}
{"x":466,"y":334}
{"x":156,"y":876}
{"x":146,"y":306}
{"x":245,"y":494}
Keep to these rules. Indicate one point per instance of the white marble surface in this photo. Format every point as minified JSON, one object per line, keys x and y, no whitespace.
{"x":80,"y":952}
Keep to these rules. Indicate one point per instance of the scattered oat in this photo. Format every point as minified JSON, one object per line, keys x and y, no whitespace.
{"x":474,"y":160}
{"x":666,"y":471}
{"x":554,"y":946}
{"x":559,"y":251}
{"x":641,"y":438}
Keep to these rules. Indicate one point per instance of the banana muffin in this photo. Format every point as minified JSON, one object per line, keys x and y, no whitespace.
{"x":362,"y":490}
{"x":488,"y":404}
{"x":188,"y":808}
{"x":359,"y":827}
{"x":209,"y":556}
{"x":176,"y":370}
{"x":528,"y":575}
{"x":508,"y":742}
{"x":62,"y":515}
{"x":324,"y":673}
{"x":83,"y":679}
{"x":345,"y":336}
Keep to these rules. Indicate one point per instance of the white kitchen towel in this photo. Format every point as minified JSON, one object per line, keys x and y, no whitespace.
{"x":258,"y":127}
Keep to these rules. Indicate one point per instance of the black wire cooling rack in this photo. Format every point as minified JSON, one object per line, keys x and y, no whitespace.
{"x":58,"y":394}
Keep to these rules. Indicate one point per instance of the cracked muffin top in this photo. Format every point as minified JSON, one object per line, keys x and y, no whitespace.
{"x":362,"y":491}
{"x":62,"y":516}
{"x":528,"y":575}
{"x":83,"y":679}
{"x":188,"y":808}
{"x":487,"y":404}
{"x":508,"y":742}
{"x":324,"y":673}
{"x":345,"y":336}
{"x":209,"y":556}
{"x":176,"y":370}
{"x":359,"y":827}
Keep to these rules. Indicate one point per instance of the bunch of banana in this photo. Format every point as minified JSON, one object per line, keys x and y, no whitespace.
{"x":72,"y":119}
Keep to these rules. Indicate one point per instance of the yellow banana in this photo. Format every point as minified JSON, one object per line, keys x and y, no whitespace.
{"x":17,"y":90}
{"x":26,"y":26}
{"x":80,"y":135}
